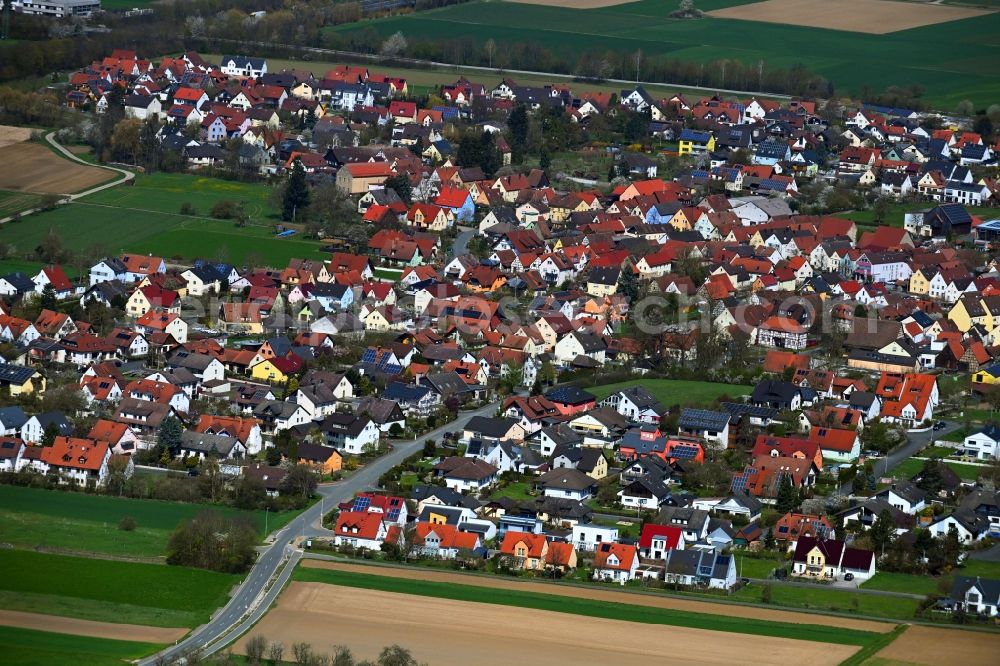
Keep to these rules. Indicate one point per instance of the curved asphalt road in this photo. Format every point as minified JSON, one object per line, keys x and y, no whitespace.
{"x":253,"y":597}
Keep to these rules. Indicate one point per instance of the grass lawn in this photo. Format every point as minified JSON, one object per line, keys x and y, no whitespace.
{"x":676,"y":391}
{"x":516,"y":491}
{"x":900,"y":582}
{"x":110,"y":591}
{"x":984,"y":568}
{"x":587,"y":607}
{"x":752,"y":567}
{"x":145,"y":218}
{"x":27,"y":647}
{"x":951,"y":60}
{"x":89,"y":523}
{"x":823,"y":598}
{"x":908,"y":468}
{"x":958,"y":436}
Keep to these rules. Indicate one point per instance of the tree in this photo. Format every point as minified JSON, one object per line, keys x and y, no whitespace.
{"x":394,"y":45}
{"x":275,"y":653}
{"x":929,"y":479}
{"x":250,"y":493}
{"x":254,"y":649}
{"x":401,"y":185}
{"x":299,"y":483}
{"x":787,"y":498}
{"x":517,"y":124}
{"x":544,"y":160}
{"x":394,"y":655}
{"x":491,"y":48}
{"x":211,"y":541}
{"x":965,"y":107}
{"x":125,"y":140}
{"x":49,"y":434}
{"x":296,"y":197}
{"x":303,"y":653}
{"x":48,"y":297}
{"x":860,"y":483}
{"x":168,"y":437}
{"x":882,"y":531}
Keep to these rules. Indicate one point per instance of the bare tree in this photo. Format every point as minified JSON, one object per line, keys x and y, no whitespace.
{"x":491,"y":49}
{"x":275,"y":653}
{"x":254,"y":648}
{"x":302,"y":653}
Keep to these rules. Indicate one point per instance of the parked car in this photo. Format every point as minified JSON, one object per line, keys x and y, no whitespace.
{"x":848,"y":576}
{"x":940,"y":425}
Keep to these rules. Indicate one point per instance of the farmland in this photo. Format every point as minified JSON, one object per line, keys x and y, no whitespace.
{"x":147,"y":594}
{"x":822,"y":598}
{"x":952,"y":61}
{"x":89,"y":523}
{"x":27,"y":647}
{"x":32,"y":167}
{"x":145,"y":218}
{"x":12,"y":202}
{"x":676,"y":391}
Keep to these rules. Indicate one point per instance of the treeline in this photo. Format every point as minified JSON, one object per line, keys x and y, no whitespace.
{"x":597,"y":64}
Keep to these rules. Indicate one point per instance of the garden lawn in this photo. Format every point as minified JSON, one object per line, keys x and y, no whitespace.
{"x":897,"y":211}
{"x":146,"y":218}
{"x":587,"y":607}
{"x":111,"y":591}
{"x":983,"y":568}
{"x":901,"y":582}
{"x":911,"y":466}
{"x":516,"y":491}
{"x":824,"y":598}
{"x":752,"y":567}
{"x":27,"y":647}
{"x":951,"y":61}
{"x":89,"y":523}
{"x":676,"y":391}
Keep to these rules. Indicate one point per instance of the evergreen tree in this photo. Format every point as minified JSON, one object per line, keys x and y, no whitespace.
{"x":882,"y":531}
{"x":860,"y":483}
{"x":401,"y":185}
{"x":544,"y":160}
{"x":168,"y":438}
{"x":296,"y":198}
{"x":48,"y":298}
{"x":787,"y":498}
{"x":517,"y":123}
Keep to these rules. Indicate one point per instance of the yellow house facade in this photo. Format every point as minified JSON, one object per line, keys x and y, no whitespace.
{"x":267,"y":371}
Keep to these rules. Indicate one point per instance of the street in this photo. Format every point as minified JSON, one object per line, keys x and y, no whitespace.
{"x":914,"y":443}
{"x":244,"y":608}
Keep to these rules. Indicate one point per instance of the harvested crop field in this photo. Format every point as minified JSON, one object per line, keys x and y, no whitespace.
{"x":10,"y":135}
{"x":932,"y":646}
{"x":487,"y":635}
{"x":876,"y":17}
{"x":574,"y":4}
{"x":602,"y":594}
{"x":69,"y":625}
{"x":31,"y":167}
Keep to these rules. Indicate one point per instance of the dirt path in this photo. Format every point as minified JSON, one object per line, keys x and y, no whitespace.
{"x":458,"y":633}
{"x":932,"y":646}
{"x":69,"y":625}
{"x":601,"y":594}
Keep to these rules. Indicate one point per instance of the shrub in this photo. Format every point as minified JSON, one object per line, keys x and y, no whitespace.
{"x":188,"y":209}
{"x":127,"y":524}
{"x":224,"y":210}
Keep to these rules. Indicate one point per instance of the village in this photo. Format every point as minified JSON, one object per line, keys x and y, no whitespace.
{"x":756,"y":351}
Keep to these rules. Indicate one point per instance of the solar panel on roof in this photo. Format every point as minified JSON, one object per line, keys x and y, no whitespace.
{"x":368,"y":356}
{"x":362,"y":503}
{"x":393,"y":514}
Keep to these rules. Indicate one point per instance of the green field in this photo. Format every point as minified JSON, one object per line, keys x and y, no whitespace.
{"x":676,"y":391}
{"x":900,"y":582}
{"x":27,"y":647}
{"x":752,"y":567}
{"x":14,"y":202}
{"x":89,"y":523}
{"x":911,"y":466}
{"x":952,"y":61}
{"x":587,"y":607}
{"x":984,"y":568}
{"x":823,"y":598}
{"x":145,"y":218}
{"x":111,"y":591}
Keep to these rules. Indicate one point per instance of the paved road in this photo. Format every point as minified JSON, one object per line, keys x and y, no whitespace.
{"x":253,"y":597}
{"x":461,"y":245}
{"x":914,"y":443}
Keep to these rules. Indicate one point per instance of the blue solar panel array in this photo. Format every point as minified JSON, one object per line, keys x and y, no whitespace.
{"x":740,"y":481}
{"x":362,"y":503}
{"x":684,"y":452}
{"x":393,"y":514}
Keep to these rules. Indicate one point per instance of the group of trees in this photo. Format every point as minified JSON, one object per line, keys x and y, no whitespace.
{"x":259,"y":651}
{"x":215,"y":542}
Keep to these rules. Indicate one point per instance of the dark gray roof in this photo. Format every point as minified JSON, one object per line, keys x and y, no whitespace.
{"x":988,"y":588}
{"x":488,"y":426}
{"x":703,"y":419}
